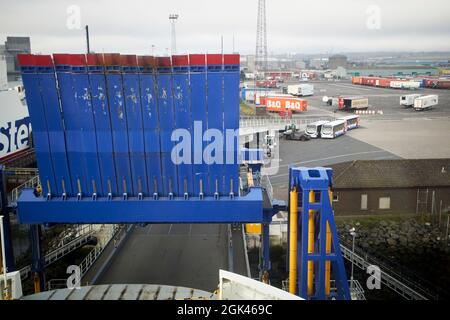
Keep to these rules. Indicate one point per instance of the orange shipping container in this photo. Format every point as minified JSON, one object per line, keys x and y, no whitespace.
{"x":357,"y":80}
{"x":279,"y":104}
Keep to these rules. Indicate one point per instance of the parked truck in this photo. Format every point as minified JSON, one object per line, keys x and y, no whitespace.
{"x":300,"y":90}
{"x":266,"y":83}
{"x":407,"y":100}
{"x":426,"y":102}
{"x":353,"y":103}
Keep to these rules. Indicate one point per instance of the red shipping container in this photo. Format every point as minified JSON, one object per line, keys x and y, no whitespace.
{"x":262,"y":100}
{"x":443,"y":84}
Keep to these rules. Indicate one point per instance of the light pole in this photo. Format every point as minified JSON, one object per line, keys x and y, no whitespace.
{"x":173,"y":19}
{"x":353,"y":234}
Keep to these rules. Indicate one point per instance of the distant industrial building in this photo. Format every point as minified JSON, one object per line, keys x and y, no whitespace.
{"x":337,"y":60}
{"x":12,"y":47}
{"x":386,"y":71}
{"x":367,"y":187}
{"x":317,"y":63}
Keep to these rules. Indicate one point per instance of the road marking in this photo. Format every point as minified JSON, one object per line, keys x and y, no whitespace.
{"x":170,"y":228}
{"x":149,"y":228}
{"x":190,"y":230}
{"x":327,"y":158}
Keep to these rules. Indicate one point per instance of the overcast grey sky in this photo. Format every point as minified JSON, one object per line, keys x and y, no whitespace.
{"x":296,"y":26}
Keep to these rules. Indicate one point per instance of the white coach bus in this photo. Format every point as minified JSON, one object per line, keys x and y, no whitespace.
{"x":314,"y":129}
{"x":352,"y":122}
{"x":333,"y":129}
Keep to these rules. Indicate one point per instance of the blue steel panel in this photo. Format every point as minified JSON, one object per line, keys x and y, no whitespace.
{"x":197,"y":77}
{"x":231,"y":79}
{"x":74,"y":136}
{"x":135,"y":130}
{"x":88,"y":135}
{"x":151,"y":130}
{"x":215,"y":121}
{"x":119,"y":133}
{"x":248,"y":208}
{"x":55,"y":128}
{"x":166,"y":123}
{"x":183,"y":121}
{"x":149,"y":101}
{"x":36,"y":110}
{"x":103,"y":128}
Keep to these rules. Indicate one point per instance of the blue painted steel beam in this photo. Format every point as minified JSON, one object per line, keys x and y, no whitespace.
{"x":215,"y":122}
{"x":73,"y":123}
{"x":135,"y":125}
{"x":182,"y":105}
{"x":118,"y":118}
{"x":150,"y":116}
{"x":101,"y":113}
{"x":231,"y":78}
{"x":166,"y":124}
{"x":38,"y":263}
{"x":197,"y":77}
{"x":31,"y":67}
{"x":248,"y":208}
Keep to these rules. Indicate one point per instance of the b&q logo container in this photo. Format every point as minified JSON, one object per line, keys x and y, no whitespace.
{"x":284,"y":104}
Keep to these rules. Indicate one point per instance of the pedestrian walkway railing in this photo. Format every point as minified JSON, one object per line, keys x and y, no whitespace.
{"x":401,"y":286}
{"x":14,"y":194}
{"x":270,"y":122}
{"x":105,"y":235}
{"x":62,"y":251}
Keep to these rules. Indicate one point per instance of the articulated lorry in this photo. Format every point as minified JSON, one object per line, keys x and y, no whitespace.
{"x":353,"y":103}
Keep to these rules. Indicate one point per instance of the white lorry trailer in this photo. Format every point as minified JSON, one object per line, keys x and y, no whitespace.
{"x":408,"y":100}
{"x":426,"y":102}
{"x":302,"y":90}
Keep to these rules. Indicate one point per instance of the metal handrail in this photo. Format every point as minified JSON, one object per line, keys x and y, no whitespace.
{"x":86,"y":264}
{"x":60,"y":252}
{"x":404,"y":276}
{"x":271,"y":121}
{"x":393,"y":283}
{"x":265,"y":182}
{"x":56,"y":284}
{"x":31,"y":183}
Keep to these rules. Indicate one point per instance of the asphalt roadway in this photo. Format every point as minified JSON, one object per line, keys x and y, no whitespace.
{"x":188,"y":255}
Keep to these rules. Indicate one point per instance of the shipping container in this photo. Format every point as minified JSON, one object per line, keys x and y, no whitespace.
{"x":425,"y":102}
{"x":353,"y":103}
{"x":266,"y":83}
{"x":283,"y":104}
{"x":357,"y":80}
{"x":443,"y":84}
{"x":408,"y":100}
{"x":402,"y":84}
{"x":301,"y":90}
